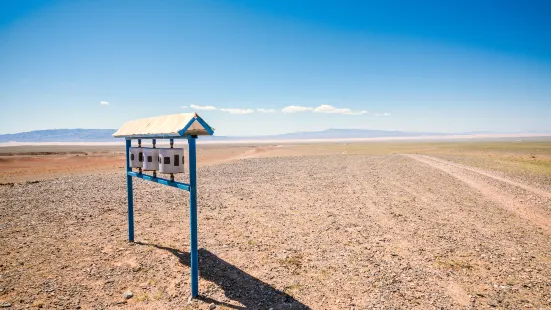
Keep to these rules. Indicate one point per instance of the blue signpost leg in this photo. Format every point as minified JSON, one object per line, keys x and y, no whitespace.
{"x":193,"y":217}
{"x":130,"y":193}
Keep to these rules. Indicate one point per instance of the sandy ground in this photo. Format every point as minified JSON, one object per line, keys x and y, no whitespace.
{"x":336,"y":231}
{"x":31,"y":163}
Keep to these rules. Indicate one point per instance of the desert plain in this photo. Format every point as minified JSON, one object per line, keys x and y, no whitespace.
{"x":370,"y":225}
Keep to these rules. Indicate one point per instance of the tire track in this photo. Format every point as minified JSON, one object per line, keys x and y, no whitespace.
{"x":529,"y":188}
{"x":530,"y":212}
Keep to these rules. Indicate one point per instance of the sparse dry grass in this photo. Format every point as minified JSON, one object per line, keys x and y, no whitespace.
{"x":516,"y":157}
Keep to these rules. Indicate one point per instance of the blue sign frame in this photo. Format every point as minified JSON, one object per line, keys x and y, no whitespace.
{"x":191,"y":188}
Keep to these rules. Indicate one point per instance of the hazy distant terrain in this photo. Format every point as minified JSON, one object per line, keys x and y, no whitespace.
{"x":105,"y":135}
{"x":61,"y":135}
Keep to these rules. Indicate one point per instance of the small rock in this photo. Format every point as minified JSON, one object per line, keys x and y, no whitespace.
{"x":212,"y":306}
{"x":5,"y":305}
{"x":128,"y":295}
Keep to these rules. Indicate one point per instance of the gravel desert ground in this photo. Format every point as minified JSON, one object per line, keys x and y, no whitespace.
{"x":398,"y":226}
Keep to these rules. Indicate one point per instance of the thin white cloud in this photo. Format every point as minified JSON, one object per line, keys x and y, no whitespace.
{"x":184,"y":107}
{"x":362,"y":112}
{"x":266,"y":110}
{"x":202,"y":107}
{"x":237,"y":111}
{"x":104,"y":103}
{"x":326,"y":108}
{"x":382,"y":114}
{"x":295,"y":108}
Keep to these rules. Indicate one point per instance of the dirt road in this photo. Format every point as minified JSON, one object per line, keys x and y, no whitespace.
{"x":527,"y":201}
{"x":319,"y":232}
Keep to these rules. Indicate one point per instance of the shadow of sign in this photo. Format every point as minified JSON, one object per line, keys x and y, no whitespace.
{"x":237,"y":284}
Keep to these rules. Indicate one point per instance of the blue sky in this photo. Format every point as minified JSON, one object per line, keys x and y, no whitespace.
{"x":270,"y":67}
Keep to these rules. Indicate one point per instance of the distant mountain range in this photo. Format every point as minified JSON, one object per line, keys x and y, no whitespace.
{"x":105,"y":135}
{"x":61,"y":135}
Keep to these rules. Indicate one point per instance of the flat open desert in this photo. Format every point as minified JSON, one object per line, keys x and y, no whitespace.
{"x":382,"y":225}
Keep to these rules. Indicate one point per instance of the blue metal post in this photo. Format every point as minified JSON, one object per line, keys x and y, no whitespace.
{"x":193,"y":217}
{"x":130,"y":193}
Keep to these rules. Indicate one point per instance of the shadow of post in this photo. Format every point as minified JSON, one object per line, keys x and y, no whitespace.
{"x":237,"y":284}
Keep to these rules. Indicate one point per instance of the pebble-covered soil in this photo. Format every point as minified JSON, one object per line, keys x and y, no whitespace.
{"x":319,"y":232}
